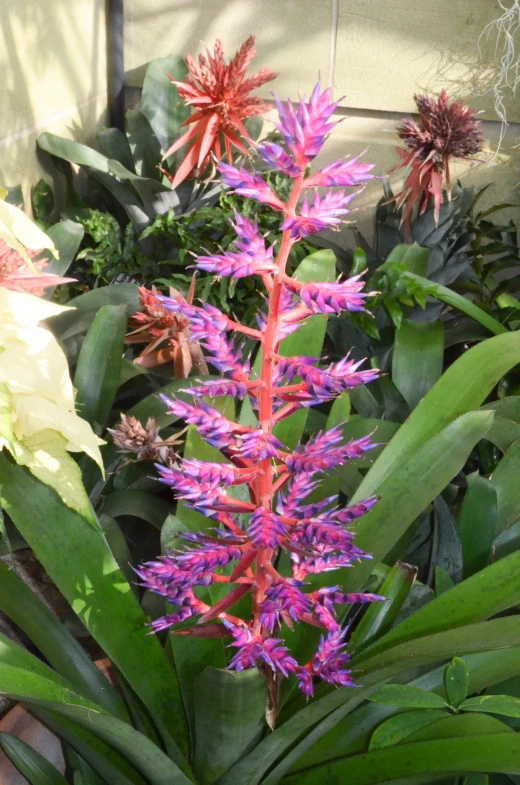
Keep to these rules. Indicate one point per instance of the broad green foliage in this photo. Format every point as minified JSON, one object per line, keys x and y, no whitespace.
{"x":229,"y":742}
{"x":437,"y":663}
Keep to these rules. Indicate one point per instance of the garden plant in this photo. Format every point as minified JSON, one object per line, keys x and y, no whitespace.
{"x":304,"y":565}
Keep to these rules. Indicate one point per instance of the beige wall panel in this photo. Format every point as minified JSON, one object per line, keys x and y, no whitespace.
{"x":292,"y":36}
{"x":53,"y":65}
{"x":386,"y":50}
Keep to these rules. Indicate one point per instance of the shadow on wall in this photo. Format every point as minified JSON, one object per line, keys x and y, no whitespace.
{"x":377,"y":54}
{"x":180,"y":26}
{"x":53,"y":62}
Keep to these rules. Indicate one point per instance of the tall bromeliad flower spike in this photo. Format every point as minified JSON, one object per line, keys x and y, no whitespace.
{"x":248,"y":537}
{"x":443,"y":131}
{"x":219,"y":95}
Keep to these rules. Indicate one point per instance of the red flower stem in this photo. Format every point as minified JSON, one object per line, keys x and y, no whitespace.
{"x":280,"y":482}
{"x":270,"y":341}
{"x":292,"y":388}
{"x":245,"y":330}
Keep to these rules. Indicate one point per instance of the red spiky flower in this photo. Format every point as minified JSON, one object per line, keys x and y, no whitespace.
{"x":443,"y":131}
{"x":219,"y":95}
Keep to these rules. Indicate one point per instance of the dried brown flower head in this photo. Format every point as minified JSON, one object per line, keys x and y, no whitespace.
{"x":443,"y":131}
{"x":132,"y":438}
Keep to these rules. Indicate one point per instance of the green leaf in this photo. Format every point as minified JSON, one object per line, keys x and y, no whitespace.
{"x":160,"y":102}
{"x":12,"y":654}
{"x":443,"y":582}
{"x":312,"y":722}
{"x":66,"y":236}
{"x":352,"y":733}
{"x":339,"y":411}
{"x":417,"y":358}
{"x":503,"y":433}
{"x":42,"y":199}
{"x":484,"y":636}
{"x":504,"y":480}
{"x":146,"y":756}
{"x":170,"y":533}
{"x":109,"y":172}
{"x":46,"y":456}
{"x":477,"y":523}
{"x":508,"y":408}
{"x":464,"y":386}
{"x":118,"y":545}
{"x":460,"y":725}
{"x":456,"y":681}
{"x":427,"y":471}
{"x":407,"y":697}
{"x":460,"y":303}
{"x":507,"y":542}
{"x":112,"y":765}
{"x":505,"y":705}
{"x":84,"y":774}
{"x":72,"y":151}
{"x":380,"y":616}
{"x":77,"y":558}
{"x":145,"y":146}
{"x":485,"y":594}
{"x":476,"y":779}
{"x":112,"y":143}
{"x":6,"y":419}
{"x":395,"y":729}
{"x":99,"y":364}
{"x":229,"y":719}
{"x":447,"y":551}
{"x":57,"y":645}
{"x":33,"y":766}
{"x":140,"y":504}
{"x":413,"y":258}
{"x":420,"y":761}
{"x":87,"y":305}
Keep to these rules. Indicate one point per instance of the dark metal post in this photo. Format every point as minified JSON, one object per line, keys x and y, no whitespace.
{"x":116,"y":63}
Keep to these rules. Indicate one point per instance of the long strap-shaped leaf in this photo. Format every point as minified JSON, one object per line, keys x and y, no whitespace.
{"x":497,"y":634}
{"x":459,"y":302}
{"x":147,"y":757}
{"x":35,"y":768}
{"x":79,"y":561}
{"x":106,"y":758}
{"x":351,"y":734}
{"x":99,"y":364}
{"x":463,"y":387}
{"x":494,"y":752}
{"x":419,"y":651}
{"x":102,"y":757}
{"x":485,"y":594}
{"x":55,"y":643}
{"x":411,"y":486}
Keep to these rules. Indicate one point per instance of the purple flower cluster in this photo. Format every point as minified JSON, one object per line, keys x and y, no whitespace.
{"x":278,"y":511}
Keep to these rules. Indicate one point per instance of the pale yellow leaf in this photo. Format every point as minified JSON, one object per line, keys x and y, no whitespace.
{"x":45,"y":455}
{"x":6,"y":419}
{"x":20,"y":232}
